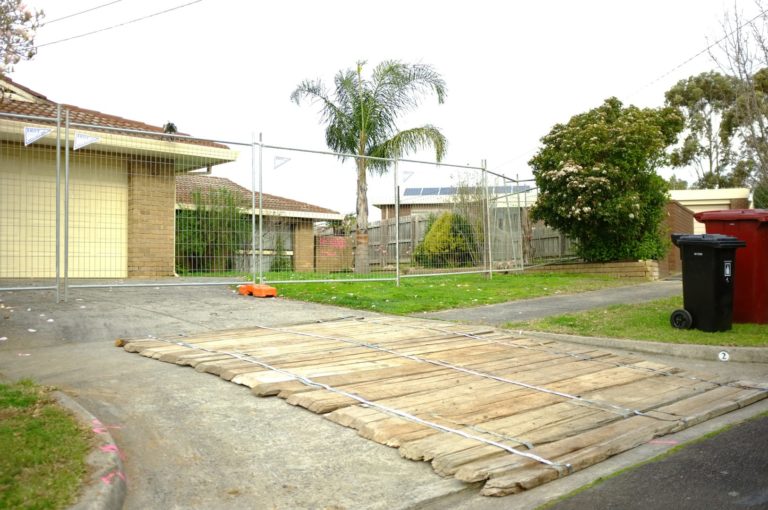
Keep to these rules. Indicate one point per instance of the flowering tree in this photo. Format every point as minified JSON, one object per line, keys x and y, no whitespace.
{"x":18,"y":25}
{"x":598,"y":184}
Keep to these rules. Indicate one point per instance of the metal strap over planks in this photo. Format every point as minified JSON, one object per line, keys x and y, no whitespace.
{"x":562,"y":469}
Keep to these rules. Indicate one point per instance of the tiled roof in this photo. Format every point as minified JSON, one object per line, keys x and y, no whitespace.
{"x":41,"y":106}
{"x":186,"y":185}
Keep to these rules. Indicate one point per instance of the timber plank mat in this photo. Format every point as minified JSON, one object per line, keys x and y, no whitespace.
{"x":481,"y":404}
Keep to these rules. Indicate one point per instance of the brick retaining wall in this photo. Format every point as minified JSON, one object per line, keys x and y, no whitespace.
{"x":640,"y":269}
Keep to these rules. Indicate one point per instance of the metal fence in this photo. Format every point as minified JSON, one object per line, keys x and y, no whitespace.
{"x":84,"y":205}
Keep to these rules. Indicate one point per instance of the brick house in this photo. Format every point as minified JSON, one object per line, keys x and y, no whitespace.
{"x":121,"y":201}
{"x":289,"y":220}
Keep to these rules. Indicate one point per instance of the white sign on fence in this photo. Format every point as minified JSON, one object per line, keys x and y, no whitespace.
{"x":82,"y":140}
{"x":33,"y":134}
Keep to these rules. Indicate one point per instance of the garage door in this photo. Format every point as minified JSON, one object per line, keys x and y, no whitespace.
{"x":98,"y":204}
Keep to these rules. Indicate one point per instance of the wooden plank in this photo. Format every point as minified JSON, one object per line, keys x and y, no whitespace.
{"x":713,"y":403}
{"x":380,"y":375}
{"x":139,"y":345}
{"x":347,"y":356}
{"x":510,"y":475}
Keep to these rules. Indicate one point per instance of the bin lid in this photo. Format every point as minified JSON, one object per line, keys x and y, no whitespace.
{"x":714,"y":240}
{"x":759,"y":215}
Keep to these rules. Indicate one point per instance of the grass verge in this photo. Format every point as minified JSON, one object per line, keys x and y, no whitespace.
{"x":424,"y":294}
{"x":647,"y":321}
{"x":42,"y":464}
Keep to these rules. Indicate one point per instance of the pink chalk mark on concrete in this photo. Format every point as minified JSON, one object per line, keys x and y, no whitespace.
{"x":112,"y":448}
{"x":100,"y":428}
{"x":109,"y":477}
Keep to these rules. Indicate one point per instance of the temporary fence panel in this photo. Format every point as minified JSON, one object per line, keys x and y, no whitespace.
{"x":510,"y":201}
{"x":117,"y":208}
{"x":135,"y":212}
{"x":136,"y":207}
{"x":442,"y":217}
{"x":307,"y":215}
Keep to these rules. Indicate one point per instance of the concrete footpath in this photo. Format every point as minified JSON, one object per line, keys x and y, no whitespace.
{"x":524,"y":310}
{"x":191,"y":440}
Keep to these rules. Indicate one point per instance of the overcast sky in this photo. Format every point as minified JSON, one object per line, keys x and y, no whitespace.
{"x":225,"y":69}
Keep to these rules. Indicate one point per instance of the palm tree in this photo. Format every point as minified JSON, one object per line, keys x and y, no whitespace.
{"x":360,"y":117}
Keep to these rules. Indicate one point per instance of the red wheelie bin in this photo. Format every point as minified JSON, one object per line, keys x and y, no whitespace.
{"x":750,"y":284}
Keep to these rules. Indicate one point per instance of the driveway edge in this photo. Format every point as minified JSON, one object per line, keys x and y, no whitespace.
{"x":106,"y":489}
{"x":703,"y":352}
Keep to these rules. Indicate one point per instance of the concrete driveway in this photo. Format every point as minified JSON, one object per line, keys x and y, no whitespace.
{"x":212,"y":444}
{"x":209,"y":444}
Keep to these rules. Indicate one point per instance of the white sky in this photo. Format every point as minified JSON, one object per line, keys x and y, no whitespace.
{"x":225,"y":69}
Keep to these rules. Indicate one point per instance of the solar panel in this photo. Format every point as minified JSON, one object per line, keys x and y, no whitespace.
{"x":429,"y":191}
{"x":448,"y":191}
{"x":412,"y":192}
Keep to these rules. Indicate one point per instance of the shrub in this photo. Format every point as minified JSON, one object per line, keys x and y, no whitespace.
{"x":211,"y":233}
{"x":448,"y":242}
{"x":598,"y":184}
{"x":281,"y":262}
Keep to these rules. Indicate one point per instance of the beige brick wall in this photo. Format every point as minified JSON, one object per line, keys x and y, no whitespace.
{"x":303,"y":247}
{"x":151,"y":219}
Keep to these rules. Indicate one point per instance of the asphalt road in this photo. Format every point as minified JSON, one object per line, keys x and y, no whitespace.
{"x":727,"y":471}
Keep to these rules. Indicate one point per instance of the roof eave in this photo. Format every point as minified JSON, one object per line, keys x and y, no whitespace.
{"x":185,"y":156}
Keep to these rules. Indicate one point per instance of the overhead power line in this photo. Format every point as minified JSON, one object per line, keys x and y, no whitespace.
{"x":136,"y":20}
{"x":79,"y":13}
{"x":672,"y":70}
{"x":702,"y":52}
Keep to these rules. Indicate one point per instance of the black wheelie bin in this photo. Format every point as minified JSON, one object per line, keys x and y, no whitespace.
{"x":708,"y":269}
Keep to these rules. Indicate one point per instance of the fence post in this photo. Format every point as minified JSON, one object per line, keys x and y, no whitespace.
{"x":253,"y":209}
{"x":261,"y":211}
{"x":521,"y":233}
{"x":397,"y":228}
{"x":58,"y":203}
{"x":66,"y":205}
{"x":412,"y":241}
{"x":489,"y":258}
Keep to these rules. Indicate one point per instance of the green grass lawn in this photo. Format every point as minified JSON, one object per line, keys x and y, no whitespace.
{"x":649,"y":321}
{"x":423,"y":294}
{"x":42,"y":449}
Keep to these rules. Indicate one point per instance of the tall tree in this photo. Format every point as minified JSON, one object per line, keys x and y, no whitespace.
{"x":704,"y":100}
{"x":18,"y":25}
{"x":598,"y":183}
{"x":360,"y":116}
{"x":675,"y":183}
{"x":742,"y":53}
